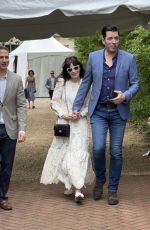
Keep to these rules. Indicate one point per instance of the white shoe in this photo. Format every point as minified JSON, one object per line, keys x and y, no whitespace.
{"x":79,"y":197}
{"x":68,"y":192}
{"x":146,"y":154}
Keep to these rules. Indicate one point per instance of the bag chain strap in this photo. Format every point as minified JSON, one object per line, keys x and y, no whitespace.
{"x":66,"y":98}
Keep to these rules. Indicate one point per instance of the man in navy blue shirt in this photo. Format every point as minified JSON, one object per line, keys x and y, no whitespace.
{"x":112,"y":73}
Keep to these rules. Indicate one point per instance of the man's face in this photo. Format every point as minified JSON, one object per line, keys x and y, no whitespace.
{"x":4,"y":60}
{"x":52,"y":74}
{"x":111,"y":41}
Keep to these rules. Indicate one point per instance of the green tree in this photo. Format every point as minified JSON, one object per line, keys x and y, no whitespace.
{"x":85,"y":45}
{"x":137,"y":42}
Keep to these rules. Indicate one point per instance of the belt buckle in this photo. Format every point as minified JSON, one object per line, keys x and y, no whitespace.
{"x":110,"y":106}
{"x":107,"y":106}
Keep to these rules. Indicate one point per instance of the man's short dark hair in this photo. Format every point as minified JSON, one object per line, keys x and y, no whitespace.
{"x":108,"y":28}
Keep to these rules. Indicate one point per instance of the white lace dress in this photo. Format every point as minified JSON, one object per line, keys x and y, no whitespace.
{"x":68,"y":159}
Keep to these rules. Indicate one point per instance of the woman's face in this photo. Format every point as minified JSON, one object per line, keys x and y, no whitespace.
{"x":31,"y":73}
{"x":74,"y":71}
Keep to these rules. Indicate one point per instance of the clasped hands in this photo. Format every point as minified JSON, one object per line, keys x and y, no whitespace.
{"x":72,"y":116}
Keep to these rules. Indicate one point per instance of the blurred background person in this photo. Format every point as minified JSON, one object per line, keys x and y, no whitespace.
{"x":50,"y":83}
{"x":30,"y":89}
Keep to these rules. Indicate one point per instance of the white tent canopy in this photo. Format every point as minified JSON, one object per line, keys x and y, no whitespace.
{"x":41,"y":56}
{"x":26,"y":19}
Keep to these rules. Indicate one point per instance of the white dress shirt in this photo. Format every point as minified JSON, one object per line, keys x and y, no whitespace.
{"x":3,"y":80}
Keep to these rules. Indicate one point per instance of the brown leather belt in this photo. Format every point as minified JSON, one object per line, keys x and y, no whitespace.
{"x":107,"y":106}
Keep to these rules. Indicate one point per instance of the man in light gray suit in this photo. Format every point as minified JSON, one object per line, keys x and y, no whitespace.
{"x":112,"y":73}
{"x":51,"y":83}
{"x":13,"y":116}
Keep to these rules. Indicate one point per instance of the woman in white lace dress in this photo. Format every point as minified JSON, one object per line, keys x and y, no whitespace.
{"x":68,"y":159}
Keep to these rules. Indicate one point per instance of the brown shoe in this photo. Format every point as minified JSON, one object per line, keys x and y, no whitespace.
{"x":4,"y":204}
{"x":98,"y":190}
{"x":112,"y":198}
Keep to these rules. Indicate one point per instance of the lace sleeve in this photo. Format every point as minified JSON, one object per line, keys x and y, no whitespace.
{"x":56,"y":102}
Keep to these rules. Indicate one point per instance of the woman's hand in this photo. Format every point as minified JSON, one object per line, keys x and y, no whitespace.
{"x":72,"y":116}
{"x":67,"y":117}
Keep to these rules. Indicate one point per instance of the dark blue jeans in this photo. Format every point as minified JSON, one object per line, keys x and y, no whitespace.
{"x":7,"y":153}
{"x":102,"y":120}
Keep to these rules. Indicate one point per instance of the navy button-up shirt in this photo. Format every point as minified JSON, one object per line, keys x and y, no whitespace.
{"x":108,"y":82}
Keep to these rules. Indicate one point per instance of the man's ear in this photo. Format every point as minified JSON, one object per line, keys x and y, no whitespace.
{"x":103,"y":41}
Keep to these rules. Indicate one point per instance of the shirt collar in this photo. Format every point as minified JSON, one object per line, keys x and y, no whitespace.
{"x":3,"y":76}
{"x":115,"y":57}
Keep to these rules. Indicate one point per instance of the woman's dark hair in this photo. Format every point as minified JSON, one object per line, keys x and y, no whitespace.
{"x":30,"y":71}
{"x":108,"y":28}
{"x":68,"y":61}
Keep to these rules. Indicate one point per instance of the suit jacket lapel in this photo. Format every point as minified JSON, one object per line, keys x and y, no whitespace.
{"x":119,"y":60}
{"x":9,"y":84}
{"x":99,"y":67}
{"x":100,"y":62}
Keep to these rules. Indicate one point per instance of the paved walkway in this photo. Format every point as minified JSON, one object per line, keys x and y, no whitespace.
{"x":39,"y":207}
